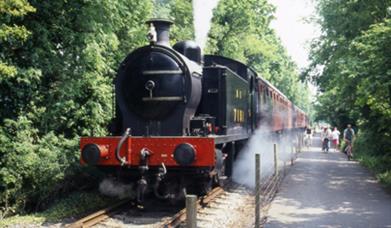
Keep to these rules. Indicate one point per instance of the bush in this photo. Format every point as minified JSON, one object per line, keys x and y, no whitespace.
{"x":75,"y":204}
{"x":33,"y":170}
{"x":370,"y":154}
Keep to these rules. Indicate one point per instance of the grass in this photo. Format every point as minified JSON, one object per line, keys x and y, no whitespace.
{"x":379,"y":165}
{"x":372,"y":155}
{"x":76,"y":204}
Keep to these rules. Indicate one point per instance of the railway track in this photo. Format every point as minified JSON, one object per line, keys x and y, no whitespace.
{"x":101,"y":215}
{"x":177,"y":219}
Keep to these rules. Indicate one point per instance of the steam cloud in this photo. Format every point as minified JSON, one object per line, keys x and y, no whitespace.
{"x":202,"y":13}
{"x":262,"y":142}
{"x":112,"y":188}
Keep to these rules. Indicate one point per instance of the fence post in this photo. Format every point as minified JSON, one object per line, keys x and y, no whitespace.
{"x":257,"y":189}
{"x":275,"y":160}
{"x":191,"y":211}
{"x":299,"y":143}
{"x":292,"y":153}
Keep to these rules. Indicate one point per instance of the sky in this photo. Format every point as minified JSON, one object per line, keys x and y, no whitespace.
{"x":294,"y":32}
{"x":289,"y":24}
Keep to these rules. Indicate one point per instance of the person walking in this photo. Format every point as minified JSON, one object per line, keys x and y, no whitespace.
{"x":329,"y":136}
{"x":308,"y":136}
{"x":335,"y":138}
{"x":325,"y":136}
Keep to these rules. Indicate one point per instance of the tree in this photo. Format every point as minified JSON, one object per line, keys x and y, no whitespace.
{"x":12,"y":35}
{"x":370,"y":68}
{"x":241,"y":30}
{"x":354,"y":55}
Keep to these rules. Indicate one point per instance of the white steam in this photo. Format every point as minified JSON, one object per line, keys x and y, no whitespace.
{"x":202,"y":13}
{"x":112,"y":188}
{"x":262,"y":142}
{"x":244,"y":166}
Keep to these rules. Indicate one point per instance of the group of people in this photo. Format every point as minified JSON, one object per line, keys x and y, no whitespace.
{"x":329,"y":136}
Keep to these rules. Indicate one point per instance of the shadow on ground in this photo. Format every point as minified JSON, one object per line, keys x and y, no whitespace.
{"x":326,"y":190}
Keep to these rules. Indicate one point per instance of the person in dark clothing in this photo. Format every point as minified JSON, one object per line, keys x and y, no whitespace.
{"x":348,"y":136}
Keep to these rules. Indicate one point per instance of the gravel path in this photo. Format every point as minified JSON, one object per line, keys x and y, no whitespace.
{"x":326,"y":190}
{"x":234,"y":209}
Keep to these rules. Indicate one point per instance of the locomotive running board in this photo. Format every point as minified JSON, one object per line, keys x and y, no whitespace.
{"x":219,"y":139}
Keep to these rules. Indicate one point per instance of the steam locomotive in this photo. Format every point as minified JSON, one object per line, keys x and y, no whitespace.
{"x":182,"y":118}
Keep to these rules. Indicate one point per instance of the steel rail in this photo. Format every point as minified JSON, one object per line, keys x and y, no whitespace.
{"x":100,"y":215}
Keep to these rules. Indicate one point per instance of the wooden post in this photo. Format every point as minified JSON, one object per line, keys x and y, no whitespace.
{"x":191,"y":211}
{"x":299,"y":144}
{"x":257,"y":189}
{"x":275,"y":160}
{"x":292,"y":153}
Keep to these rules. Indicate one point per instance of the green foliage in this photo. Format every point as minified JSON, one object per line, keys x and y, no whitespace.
{"x":241,"y":30}
{"x":355,"y":55}
{"x":237,"y":21}
{"x":181,"y":13}
{"x":32,"y":167}
{"x":372,"y":156}
{"x":12,"y":35}
{"x":16,"y":8}
{"x":75,"y":204}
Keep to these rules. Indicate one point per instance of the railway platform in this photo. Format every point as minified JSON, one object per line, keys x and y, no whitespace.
{"x":326,"y":190}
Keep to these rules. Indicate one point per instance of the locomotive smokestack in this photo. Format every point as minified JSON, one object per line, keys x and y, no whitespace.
{"x":162,"y":30}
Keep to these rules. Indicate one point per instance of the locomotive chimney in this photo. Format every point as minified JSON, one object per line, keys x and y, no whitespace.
{"x":159,"y":31}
